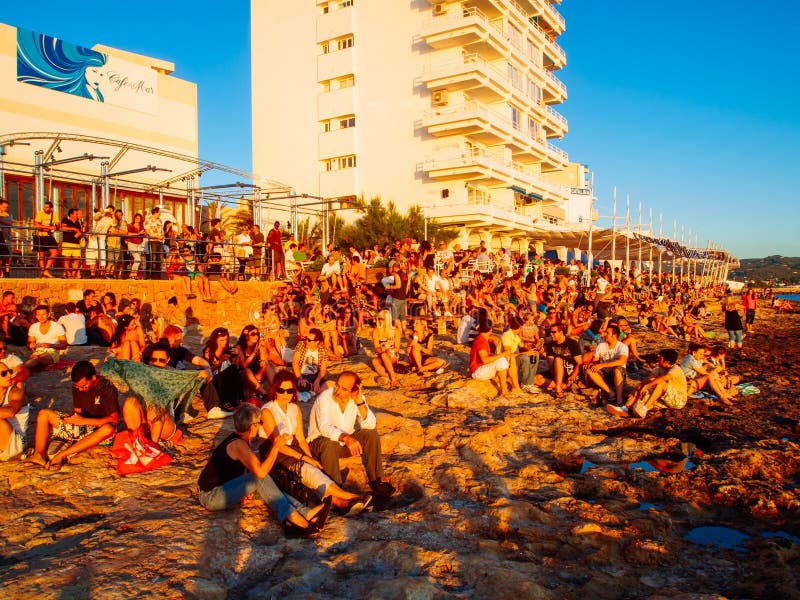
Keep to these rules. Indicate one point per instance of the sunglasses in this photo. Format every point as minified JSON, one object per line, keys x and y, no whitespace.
{"x":252,"y":333}
{"x":4,"y":373}
{"x":159,"y":361}
{"x":283,"y":390}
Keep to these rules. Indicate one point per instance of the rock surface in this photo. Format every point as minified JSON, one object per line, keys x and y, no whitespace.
{"x":525,"y":497}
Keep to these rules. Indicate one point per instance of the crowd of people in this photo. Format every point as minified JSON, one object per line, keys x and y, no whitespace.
{"x":533,"y":326}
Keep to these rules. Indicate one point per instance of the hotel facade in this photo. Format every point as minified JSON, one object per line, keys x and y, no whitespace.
{"x":451,"y":106}
{"x":90,"y":126}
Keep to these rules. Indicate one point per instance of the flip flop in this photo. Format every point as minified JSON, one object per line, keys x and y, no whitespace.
{"x":51,"y":466}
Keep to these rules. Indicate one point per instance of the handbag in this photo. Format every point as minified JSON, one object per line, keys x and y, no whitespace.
{"x":136,"y":453}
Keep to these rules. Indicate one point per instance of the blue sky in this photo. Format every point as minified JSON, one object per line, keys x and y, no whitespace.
{"x":688,"y":107}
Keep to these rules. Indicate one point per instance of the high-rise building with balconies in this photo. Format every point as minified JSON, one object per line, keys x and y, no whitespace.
{"x":446,"y":105}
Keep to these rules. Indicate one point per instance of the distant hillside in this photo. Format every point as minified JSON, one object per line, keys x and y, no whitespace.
{"x":772,"y":269}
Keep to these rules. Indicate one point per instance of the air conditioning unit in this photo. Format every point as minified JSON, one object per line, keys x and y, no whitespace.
{"x":440,"y":98}
{"x":440,"y":8}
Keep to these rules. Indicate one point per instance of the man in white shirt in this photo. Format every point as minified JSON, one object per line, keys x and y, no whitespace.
{"x":331,"y":271}
{"x":74,"y":323}
{"x":608,"y":365}
{"x":45,"y":339}
{"x":332,"y":432}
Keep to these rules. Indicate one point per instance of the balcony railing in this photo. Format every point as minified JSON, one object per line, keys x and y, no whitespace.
{"x":557,"y":117}
{"x":556,"y":82}
{"x":456,"y":19}
{"x":496,"y":162}
{"x":501,"y":121}
{"x":467,"y":62}
{"x":554,"y":15}
{"x":559,"y":51}
{"x":558,"y":152}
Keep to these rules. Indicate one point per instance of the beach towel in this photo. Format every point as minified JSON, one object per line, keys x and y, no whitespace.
{"x":61,"y":365}
{"x":157,"y":387}
{"x":747,"y":389}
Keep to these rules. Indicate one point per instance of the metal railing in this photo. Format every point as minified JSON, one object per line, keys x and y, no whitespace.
{"x":496,"y":162}
{"x":21,"y":256}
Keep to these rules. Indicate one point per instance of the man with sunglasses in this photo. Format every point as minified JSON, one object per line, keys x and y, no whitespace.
{"x":137,"y":412}
{"x":332,"y":432}
{"x":93,"y":420}
{"x":13,"y":414}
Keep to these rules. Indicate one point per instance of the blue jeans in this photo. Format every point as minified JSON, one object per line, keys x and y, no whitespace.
{"x":735,"y":336}
{"x":231,"y":493}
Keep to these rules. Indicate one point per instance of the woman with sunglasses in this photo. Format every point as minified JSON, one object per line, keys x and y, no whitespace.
{"x":310,"y":363}
{"x":254,"y":362}
{"x":227,"y":391}
{"x":233,"y":472}
{"x":281,"y":417}
{"x":14,"y":415}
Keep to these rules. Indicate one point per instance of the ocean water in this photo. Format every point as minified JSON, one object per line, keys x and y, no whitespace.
{"x":792,"y":297}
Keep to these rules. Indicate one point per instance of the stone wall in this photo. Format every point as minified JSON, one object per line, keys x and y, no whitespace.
{"x":229,"y":311}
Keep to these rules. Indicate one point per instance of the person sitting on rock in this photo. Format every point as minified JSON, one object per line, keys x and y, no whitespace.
{"x":420,"y":350}
{"x":564,"y":359}
{"x":699,"y":373}
{"x":45,"y":339}
{"x":280,"y":416}
{"x":233,"y":472}
{"x":18,"y":371}
{"x":665,"y":387}
{"x":93,"y":420}
{"x":523,"y":362}
{"x":484,"y":364}
{"x":386,"y":341}
{"x":13,"y":414}
{"x":310,"y":364}
{"x":628,"y":338}
{"x":332,"y":432}
{"x":138,"y":412}
{"x":608,"y":365}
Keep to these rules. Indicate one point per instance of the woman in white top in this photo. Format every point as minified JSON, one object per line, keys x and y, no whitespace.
{"x":281,"y":417}
{"x":13,"y":415}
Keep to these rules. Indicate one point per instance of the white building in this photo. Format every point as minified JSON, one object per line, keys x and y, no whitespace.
{"x":446,"y":105}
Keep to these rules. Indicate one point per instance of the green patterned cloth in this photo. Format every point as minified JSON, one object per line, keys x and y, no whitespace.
{"x":157,"y":387}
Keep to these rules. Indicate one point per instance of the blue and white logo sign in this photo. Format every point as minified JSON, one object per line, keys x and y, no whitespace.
{"x":48,"y":62}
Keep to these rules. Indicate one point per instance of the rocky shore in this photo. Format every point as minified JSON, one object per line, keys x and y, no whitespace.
{"x":520,"y":498}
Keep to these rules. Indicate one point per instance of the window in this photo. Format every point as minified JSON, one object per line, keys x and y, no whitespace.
{"x":340,"y":163}
{"x":533,"y":129}
{"x":514,"y":76}
{"x":515,"y":36}
{"x":344,"y":43}
{"x":338,"y":123}
{"x":345,"y":3}
{"x":325,"y":47}
{"x":336,"y":84}
{"x":535,"y":92}
{"x":514,"y":117}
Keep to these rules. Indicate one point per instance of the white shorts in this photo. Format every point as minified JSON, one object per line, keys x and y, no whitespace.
{"x":489,"y":370}
{"x":15,"y":445}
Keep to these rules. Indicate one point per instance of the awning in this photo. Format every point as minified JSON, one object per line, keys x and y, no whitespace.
{"x":603,"y":242}
{"x":519,"y":190}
